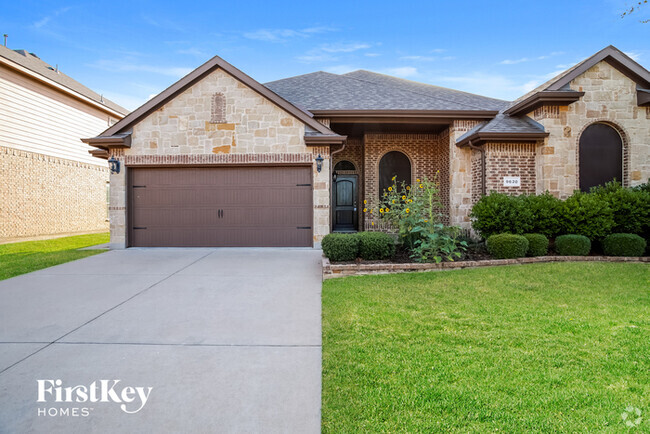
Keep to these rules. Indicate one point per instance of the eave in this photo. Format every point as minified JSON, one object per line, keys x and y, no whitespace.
{"x":99,"y":153}
{"x":544,"y":97}
{"x":403,"y":116}
{"x":325,"y":139}
{"x":643,"y":97}
{"x":482,"y":137}
{"x":117,"y":140}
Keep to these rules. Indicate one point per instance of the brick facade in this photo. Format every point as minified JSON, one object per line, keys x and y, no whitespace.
{"x":510,"y":159}
{"x":255,"y":131}
{"x":44,"y":195}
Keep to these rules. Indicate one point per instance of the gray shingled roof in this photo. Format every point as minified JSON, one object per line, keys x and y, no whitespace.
{"x":35,"y":64}
{"x":365,"y":90}
{"x":506,"y":124}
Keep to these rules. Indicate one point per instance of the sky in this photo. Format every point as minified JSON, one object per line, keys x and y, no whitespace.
{"x":130,"y":51}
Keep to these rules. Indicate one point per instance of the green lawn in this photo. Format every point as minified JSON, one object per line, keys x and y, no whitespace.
{"x":21,"y":258}
{"x":560,"y":347}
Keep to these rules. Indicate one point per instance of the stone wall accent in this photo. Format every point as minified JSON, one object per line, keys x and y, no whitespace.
{"x":256,"y":132}
{"x":45,"y":195}
{"x":460,"y":175}
{"x":610,"y":97}
{"x":510,"y":159}
{"x":428,"y":153}
{"x":477,"y":175}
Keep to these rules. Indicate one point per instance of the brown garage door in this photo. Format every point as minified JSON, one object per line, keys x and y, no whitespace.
{"x":233,"y":206}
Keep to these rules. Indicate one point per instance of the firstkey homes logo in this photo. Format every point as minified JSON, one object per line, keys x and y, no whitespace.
{"x":81,"y":399}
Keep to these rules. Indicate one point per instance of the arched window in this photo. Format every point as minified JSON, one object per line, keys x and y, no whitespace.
{"x":344,"y":165}
{"x":396,"y":164}
{"x":600,"y":156}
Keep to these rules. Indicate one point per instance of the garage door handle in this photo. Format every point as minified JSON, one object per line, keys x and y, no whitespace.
{"x":139,"y":227}
{"x":303,"y":185}
{"x":303,"y":227}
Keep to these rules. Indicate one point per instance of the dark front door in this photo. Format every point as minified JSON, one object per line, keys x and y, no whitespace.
{"x":345,"y":203}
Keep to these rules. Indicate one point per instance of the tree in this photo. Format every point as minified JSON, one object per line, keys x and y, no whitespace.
{"x":635,"y":8}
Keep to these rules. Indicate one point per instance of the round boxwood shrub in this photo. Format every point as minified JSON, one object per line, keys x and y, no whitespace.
{"x":624,"y":245}
{"x":341,"y":247}
{"x":537,"y":245}
{"x":375,"y":245}
{"x":507,"y":246}
{"x":572,"y":245}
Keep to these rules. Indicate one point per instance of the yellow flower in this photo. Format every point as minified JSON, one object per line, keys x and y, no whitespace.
{"x":421,"y":186}
{"x":371,"y":211}
{"x":393,"y":178}
{"x":385,"y":194}
{"x":408,"y":187}
{"x":387,"y":209}
{"x":393,"y":200}
{"x":365,"y":201}
{"x":381,"y":210}
{"x":407,"y":210}
{"x":365,"y":210}
{"x":372,"y":223}
{"x":410,"y":200}
{"x":418,"y":180}
{"x":426,"y":221}
{"x":390,"y":188}
{"x":403,"y":197}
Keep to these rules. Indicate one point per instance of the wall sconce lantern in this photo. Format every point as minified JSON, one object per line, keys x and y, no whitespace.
{"x":334,"y":176}
{"x":114,"y":165}
{"x":319,"y":163}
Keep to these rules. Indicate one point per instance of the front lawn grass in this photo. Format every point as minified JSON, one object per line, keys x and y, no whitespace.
{"x":558,"y":347}
{"x":24,"y":257}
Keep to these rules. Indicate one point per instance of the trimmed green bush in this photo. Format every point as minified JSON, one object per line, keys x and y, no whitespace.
{"x":587,"y":214}
{"x":546,"y":214}
{"x":572,"y":245}
{"x":340,"y":247}
{"x":375,"y":245}
{"x":499,"y":213}
{"x":624,"y":245}
{"x":507,"y":246}
{"x":537,"y":245}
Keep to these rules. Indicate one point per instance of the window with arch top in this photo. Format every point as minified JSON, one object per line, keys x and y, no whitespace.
{"x":600,"y":156}
{"x":395,"y":164}
{"x":344,"y":165}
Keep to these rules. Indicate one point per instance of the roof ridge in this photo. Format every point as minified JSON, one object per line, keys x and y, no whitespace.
{"x":414,"y":92}
{"x":302,"y":75}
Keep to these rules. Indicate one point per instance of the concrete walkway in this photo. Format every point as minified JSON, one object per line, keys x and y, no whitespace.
{"x":228,"y":339}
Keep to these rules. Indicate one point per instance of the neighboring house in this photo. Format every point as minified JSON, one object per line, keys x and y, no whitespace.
{"x":218,"y":159}
{"x":49,"y":183}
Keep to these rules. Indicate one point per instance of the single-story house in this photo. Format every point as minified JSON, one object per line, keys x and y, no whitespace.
{"x":218,"y":159}
{"x":50,"y":184}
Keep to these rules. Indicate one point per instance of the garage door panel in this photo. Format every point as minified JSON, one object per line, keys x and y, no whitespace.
{"x":261,"y":206}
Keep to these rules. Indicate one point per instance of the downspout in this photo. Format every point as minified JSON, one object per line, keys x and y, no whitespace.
{"x":331,"y":186}
{"x":482,"y":151}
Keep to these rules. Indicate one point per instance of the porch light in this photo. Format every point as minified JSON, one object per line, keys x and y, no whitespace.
{"x":319,"y":163}
{"x":334,"y":176}
{"x":114,"y":165}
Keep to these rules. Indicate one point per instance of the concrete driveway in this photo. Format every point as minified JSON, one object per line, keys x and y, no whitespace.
{"x":229,"y":340}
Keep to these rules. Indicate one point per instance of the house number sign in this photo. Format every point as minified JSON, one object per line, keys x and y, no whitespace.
{"x":512,"y":181}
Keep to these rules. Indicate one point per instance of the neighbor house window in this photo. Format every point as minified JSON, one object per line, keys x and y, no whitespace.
{"x":218,"y":110}
{"x":600,"y":156}
{"x":393,"y":164}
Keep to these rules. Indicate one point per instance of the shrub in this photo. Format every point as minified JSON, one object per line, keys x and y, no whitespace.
{"x":630,"y":207}
{"x":498,"y":213}
{"x":572,"y":245}
{"x":507,"y":246}
{"x":624,"y":245}
{"x":546,"y":214}
{"x":375,"y":245}
{"x":587,"y":214}
{"x":437,"y":242}
{"x":537,"y":245}
{"x":340,"y":247}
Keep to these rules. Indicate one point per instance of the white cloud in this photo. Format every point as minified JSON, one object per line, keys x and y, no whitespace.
{"x":372,"y":54}
{"x":438,"y":50}
{"x":530,"y":59}
{"x":329,"y":52}
{"x":282,"y":35}
{"x":419,"y":58}
{"x":193,"y":51}
{"x":403,"y":71}
{"x":43,"y":21}
{"x":514,"y":62}
{"x":633,"y":55}
{"x":341,"y":69}
{"x":344,"y":48}
{"x":115,"y":66}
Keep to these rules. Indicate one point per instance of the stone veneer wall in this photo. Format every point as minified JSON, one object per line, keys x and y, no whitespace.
{"x":256,"y":131}
{"x":44,"y":195}
{"x":428,"y":154}
{"x":510,"y":159}
{"x":460,"y":175}
{"x":610,"y":97}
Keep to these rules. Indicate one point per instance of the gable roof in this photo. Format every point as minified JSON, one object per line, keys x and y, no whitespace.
{"x":558,"y":89}
{"x":44,"y":72}
{"x":365,"y":90}
{"x":125,"y":125}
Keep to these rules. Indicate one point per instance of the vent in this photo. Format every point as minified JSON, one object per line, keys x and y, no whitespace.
{"x":218,"y":111}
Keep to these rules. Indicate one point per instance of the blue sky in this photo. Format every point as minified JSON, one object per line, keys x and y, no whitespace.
{"x":129,"y":51}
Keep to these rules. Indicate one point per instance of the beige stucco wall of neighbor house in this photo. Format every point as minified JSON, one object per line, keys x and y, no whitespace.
{"x":254,"y":131}
{"x":49,"y":183}
{"x":610,"y":97}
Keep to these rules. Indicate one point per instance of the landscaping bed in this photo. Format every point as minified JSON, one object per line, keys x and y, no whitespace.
{"x":555,"y":347}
